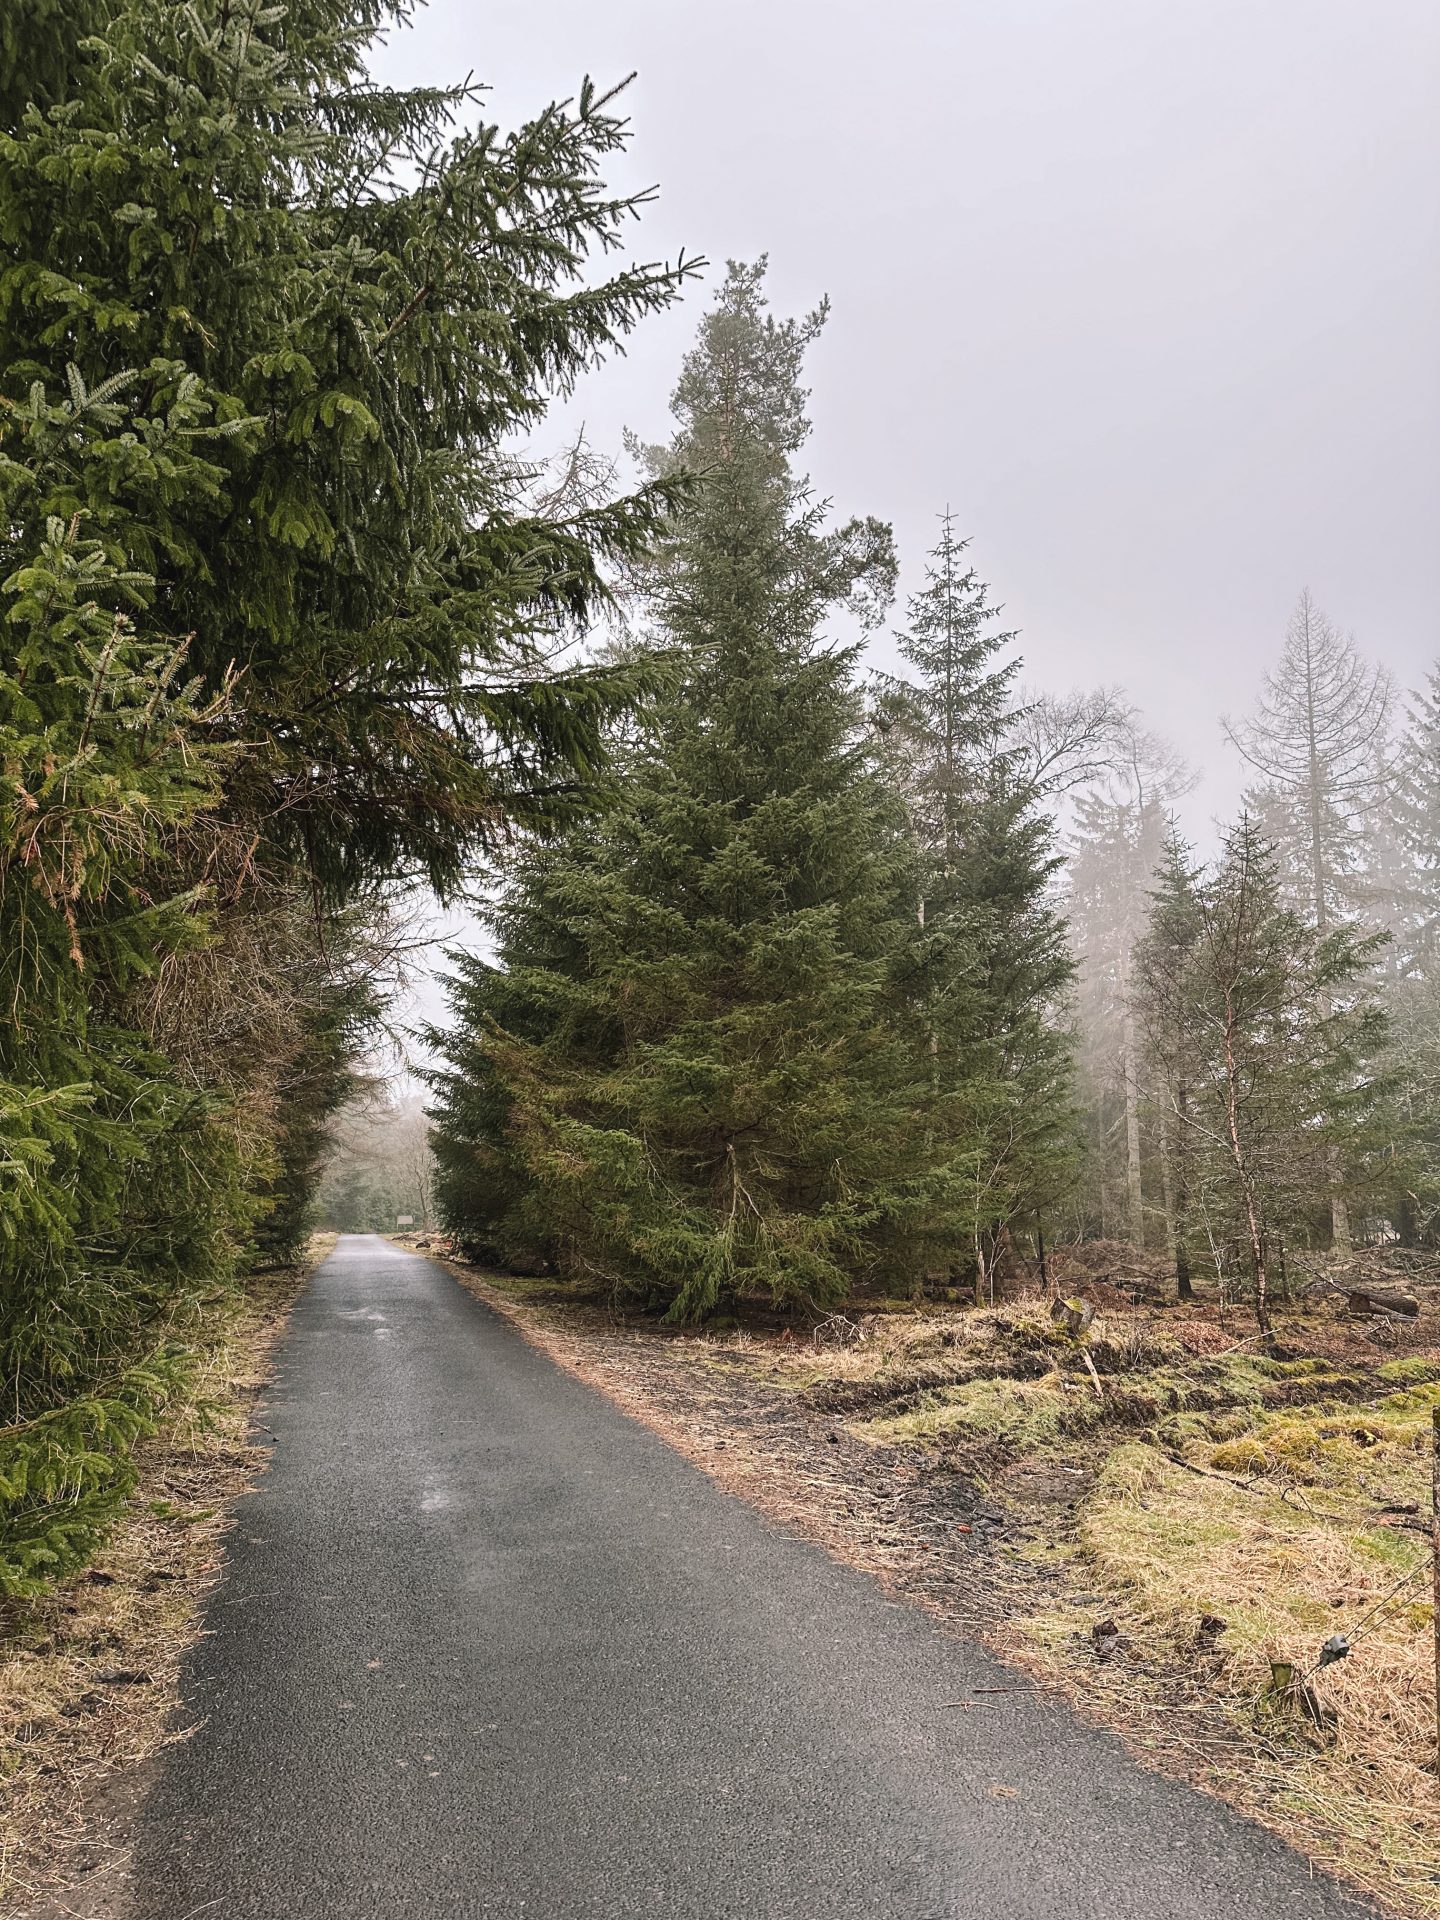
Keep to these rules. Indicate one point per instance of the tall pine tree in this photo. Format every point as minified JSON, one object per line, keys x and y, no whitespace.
{"x":1161,"y":983}
{"x":691,"y":1050}
{"x":1274,"y":1030}
{"x":991,"y":959}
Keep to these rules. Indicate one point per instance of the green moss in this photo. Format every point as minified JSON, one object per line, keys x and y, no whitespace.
{"x":1020,"y":1414}
{"x":1413,"y":1371}
{"x":1229,"y":1424}
{"x":1183,"y":1429}
{"x":1289,"y":1369}
{"x":1243,"y":1378}
{"x":1414,"y":1400}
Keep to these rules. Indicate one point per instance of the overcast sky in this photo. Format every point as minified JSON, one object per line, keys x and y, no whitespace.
{"x":1147,"y":290}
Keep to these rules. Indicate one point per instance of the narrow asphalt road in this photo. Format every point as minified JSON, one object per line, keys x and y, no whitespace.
{"x":486,"y":1647}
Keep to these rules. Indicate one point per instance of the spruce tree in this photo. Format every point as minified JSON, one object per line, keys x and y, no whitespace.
{"x":991,"y":959}
{"x":1412,"y":818}
{"x":1402,"y":871}
{"x":120,"y":1198}
{"x":697,"y":1063}
{"x":1282,"y":1029}
{"x":1316,"y":740}
{"x":1162,"y":981}
{"x":373,"y":299}
{"x":282,"y":606}
{"x":949,"y":724}
{"x":1116,"y":841}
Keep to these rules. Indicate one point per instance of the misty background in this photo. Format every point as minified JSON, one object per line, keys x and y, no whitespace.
{"x":1149,"y":295}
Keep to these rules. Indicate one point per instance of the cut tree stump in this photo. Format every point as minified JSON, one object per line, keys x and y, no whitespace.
{"x":1073,"y":1315}
{"x":1290,"y":1694}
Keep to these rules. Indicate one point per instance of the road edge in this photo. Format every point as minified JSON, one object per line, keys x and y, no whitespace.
{"x":90,"y":1672}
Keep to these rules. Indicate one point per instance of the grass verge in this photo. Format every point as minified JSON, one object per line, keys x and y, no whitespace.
{"x":1235,"y":1508}
{"x":89,"y":1671}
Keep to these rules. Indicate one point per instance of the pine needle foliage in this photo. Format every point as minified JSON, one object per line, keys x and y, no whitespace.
{"x":367,"y":294}
{"x":1275,"y":1031}
{"x":286,"y":622}
{"x":688,"y":1074}
{"x":991,"y":963}
{"x":121,"y":1202}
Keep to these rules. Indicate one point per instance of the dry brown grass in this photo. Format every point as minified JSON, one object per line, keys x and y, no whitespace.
{"x":89,"y":1673}
{"x":1174,"y":1554}
{"x":1238,"y":1510}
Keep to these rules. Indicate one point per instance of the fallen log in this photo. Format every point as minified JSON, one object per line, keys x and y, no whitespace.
{"x":1369,"y":1301}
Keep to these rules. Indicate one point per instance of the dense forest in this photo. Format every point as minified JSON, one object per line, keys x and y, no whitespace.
{"x":806,"y":980}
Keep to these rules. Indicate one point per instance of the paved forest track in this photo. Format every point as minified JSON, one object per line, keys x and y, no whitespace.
{"x":486,"y":1647}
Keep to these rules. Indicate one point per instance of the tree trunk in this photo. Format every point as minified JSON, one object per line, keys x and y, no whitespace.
{"x":1237,"y":1153}
{"x":1167,"y":1184}
{"x":1183,"y":1288}
{"x":1172,"y":1173}
{"x":1339,"y":1213}
{"x":1375,"y":1300}
{"x":1407,"y":1221}
{"x":1133,"y":1188}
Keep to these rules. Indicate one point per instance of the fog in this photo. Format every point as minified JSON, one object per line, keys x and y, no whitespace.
{"x":1148,"y":294}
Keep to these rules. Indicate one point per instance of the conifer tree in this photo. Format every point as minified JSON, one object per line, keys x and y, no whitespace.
{"x":1316,"y":741}
{"x":281,"y":609}
{"x":951,"y":724}
{"x":1412,"y":817}
{"x":372,"y":300}
{"x":119,"y":1198}
{"x":1162,"y":981}
{"x":1281,"y":1027}
{"x":1402,"y":876}
{"x":537,"y":997}
{"x":1115,"y":845}
{"x":991,"y":956}
{"x":693,"y":1055}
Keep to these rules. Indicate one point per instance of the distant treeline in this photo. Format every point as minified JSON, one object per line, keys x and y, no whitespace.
{"x":379,"y":1171}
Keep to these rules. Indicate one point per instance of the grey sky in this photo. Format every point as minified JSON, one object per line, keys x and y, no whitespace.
{"x":1148,"y":290}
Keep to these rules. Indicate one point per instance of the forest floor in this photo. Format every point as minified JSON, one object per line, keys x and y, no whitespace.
{"x":89,"y":1673}
{"x":1141,"y":1523}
